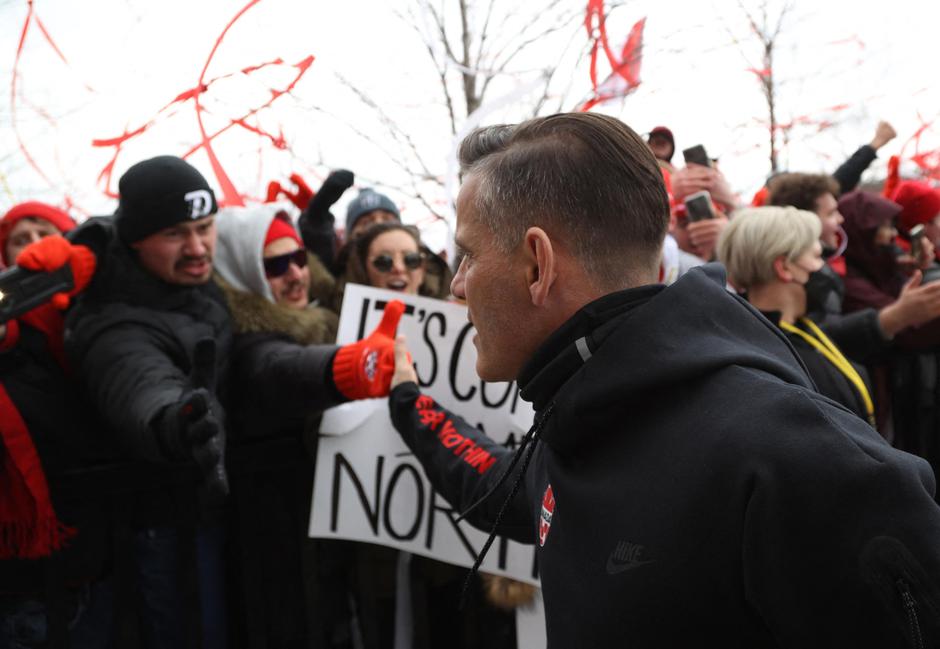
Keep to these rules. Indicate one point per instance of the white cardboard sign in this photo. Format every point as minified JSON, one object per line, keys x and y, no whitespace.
{"x":369,"y":487}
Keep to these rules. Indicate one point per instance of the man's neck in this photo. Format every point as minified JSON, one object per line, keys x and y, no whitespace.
{"x":549,"y":367}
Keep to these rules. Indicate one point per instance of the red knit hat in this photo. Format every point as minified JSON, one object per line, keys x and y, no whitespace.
{"x":31,"y":209}
{"x":281,"y":228}
{"x":920,"y":203}
{"x":761,"y":197}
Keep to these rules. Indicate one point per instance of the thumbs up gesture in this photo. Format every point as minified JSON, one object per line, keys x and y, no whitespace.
{"x":363,"y":370}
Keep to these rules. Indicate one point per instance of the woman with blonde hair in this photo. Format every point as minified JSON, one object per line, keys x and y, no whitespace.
{"x":771,"y":254}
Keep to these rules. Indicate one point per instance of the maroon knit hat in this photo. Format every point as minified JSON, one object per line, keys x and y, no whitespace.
{"x":664,"y":132}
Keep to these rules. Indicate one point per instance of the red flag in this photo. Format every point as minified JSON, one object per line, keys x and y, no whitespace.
{"x":625,"y":70}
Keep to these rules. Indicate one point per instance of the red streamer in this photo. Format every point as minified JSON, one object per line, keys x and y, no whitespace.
{"x":625,"y":69}
{"x":33,"y":18}
{"x":928,"y":162}
{"x":230,"y":195}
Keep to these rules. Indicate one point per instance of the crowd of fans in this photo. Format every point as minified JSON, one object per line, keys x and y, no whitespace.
{"x":192,"y":331}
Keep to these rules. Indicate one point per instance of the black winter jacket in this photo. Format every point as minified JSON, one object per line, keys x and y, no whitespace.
{"x":688,"y":488}
{"x":849,"y":173}
{"x":829,"y":380}
{"x":281,"y":372}
{"x":131,"y":341}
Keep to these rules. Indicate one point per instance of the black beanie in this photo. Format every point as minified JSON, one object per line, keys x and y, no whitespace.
{"x":159,"y":193}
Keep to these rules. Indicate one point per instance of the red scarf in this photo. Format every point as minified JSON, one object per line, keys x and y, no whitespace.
{"x":29,"y":527}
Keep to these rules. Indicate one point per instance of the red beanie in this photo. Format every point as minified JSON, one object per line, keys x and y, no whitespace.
{"x":761,"y":198}
{"x":920,"y":203}
{"x":32,"y":209}
{"x":281,"y":228}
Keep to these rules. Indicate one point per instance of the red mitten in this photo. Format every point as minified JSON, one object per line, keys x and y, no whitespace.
{"x":363,"y":370}
{"x":302,"y":198}
{"x":274,"y":190}
{"x":52,"y":253}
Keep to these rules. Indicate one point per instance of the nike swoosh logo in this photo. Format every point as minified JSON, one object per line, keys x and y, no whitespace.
{"x":615,"y":567}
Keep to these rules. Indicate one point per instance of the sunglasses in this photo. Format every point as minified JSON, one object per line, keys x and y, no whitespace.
{"x":384,"y":263}
{"x":277,"y":266}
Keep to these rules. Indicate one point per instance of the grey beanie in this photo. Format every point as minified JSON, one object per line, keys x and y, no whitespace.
{"x":367,"y":201}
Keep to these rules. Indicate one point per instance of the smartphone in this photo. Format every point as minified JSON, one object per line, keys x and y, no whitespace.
{"x":697,"y":155}
{"x":23,"y":290}
{"x":917,"y":237}
{"x":699,"y":206}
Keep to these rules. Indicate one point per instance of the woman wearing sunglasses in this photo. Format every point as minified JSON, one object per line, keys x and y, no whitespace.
{"x":390,"y":256}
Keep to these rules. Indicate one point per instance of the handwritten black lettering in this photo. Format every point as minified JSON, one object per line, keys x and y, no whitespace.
{"x":442,"y":331}
{"x":495,"y":404}
{"x":454,"y":364}
{"x":400,"y":470}
{"x":372,"y":513}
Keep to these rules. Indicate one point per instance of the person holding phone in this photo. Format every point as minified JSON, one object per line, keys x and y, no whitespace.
{"x":697,"y":233}
{"x":920,"y":206}
{"x":702,"y":173}
{"x":696,"y":224}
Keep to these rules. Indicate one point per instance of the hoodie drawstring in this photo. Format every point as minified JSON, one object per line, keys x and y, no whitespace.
{"x":532,"y":436}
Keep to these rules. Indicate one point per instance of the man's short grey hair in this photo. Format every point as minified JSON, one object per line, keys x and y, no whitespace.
{"x":757,"y":236}
{"x":586,"y":179}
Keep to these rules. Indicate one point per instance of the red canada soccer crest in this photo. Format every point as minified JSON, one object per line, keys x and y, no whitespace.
{"x":545,"y":520}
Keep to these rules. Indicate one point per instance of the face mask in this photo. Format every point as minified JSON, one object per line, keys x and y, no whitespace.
{"x":829,"y":253}
{"x":824,"y":292}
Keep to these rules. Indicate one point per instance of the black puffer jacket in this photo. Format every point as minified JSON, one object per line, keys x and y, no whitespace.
{"x":281,"y":369}
{"x":131,"y":341}
{"x":690,"y":489}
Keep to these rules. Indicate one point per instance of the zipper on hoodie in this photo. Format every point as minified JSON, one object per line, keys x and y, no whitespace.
{"x":910,"y":608}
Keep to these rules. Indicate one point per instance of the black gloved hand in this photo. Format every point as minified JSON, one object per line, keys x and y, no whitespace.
{"x":330,"y":191}
{"x":192,"y":430}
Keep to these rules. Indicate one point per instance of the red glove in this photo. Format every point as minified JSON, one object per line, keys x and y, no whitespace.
{"x":274,"y":190}
{"x":52,"y":253}
{"x":302,"y":198}
{"x":363,"y":370}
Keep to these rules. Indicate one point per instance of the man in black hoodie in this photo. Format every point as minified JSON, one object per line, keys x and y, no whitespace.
{"x":684,"y":483}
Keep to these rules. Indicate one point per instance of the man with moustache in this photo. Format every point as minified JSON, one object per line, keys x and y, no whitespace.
{"x":150,"y":341}
{"x":147,"y":340}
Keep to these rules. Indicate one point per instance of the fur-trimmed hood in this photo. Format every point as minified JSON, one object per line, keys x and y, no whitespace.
{"x":252,"y":313}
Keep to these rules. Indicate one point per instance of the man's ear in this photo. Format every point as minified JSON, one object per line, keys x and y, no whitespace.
{"x":782,"y":269}
{"x":540,"y":257}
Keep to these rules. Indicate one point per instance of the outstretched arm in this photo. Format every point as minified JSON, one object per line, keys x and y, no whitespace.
{"x":462,"y":463}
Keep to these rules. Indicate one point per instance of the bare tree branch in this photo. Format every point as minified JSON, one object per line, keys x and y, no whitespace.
{"x":440,"y":67}
{"x":400,"y":135}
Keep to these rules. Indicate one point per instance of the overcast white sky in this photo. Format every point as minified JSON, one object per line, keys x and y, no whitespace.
{"x":137,"y":55}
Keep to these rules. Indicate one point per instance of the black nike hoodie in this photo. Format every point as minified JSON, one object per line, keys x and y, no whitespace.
{"x":688,"y":486}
